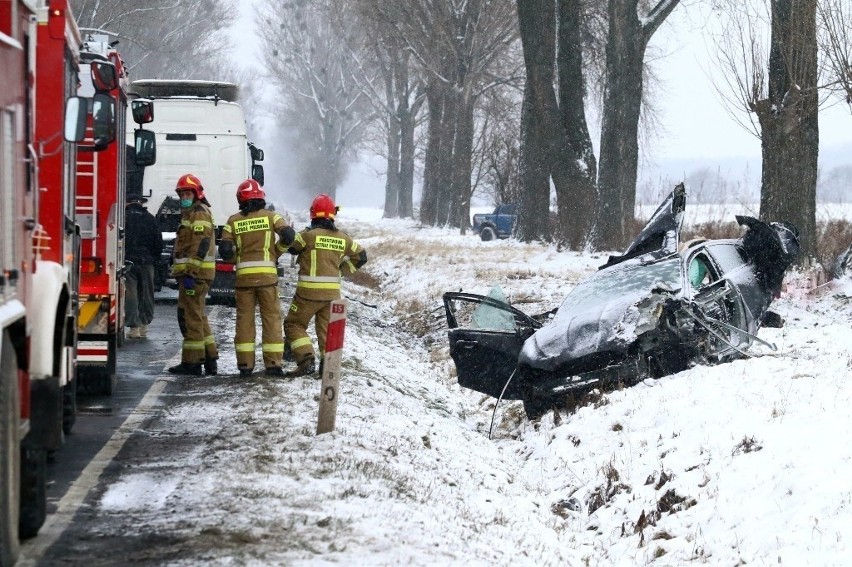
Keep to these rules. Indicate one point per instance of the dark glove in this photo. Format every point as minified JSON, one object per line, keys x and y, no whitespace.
{"x":188,"y":282}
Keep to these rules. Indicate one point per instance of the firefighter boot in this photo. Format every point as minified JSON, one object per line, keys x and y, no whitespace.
{"x":305,"y":367}
{"x":186,"y":369}
{"x":142,"y":331}
{"x":246,"y":372}
{"x":211,"y":367}
{"x":274,"y":371}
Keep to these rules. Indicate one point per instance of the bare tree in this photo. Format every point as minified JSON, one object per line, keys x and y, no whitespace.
{"x":165,"y":39}
{"x":628,"y":37}
{"x":308,"y":61}
{"x":398,"y":100}
{"x":456,"y":45}
{"x":778,"y":84}
{"x":555,"y":141}
{"x":835,"y":44}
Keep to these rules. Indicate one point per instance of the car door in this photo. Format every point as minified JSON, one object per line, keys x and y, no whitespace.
{"x":486,"y":336}
{"x":720,"y":299}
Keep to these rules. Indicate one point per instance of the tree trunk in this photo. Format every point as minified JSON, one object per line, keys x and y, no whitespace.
{"x":537,"y":22}
{"x":391,"y":210}
{"x":444,"y":165}
{"x":576,"y":212}
{"x":534,"y":207}
{"x":788,"y":122}
{"x":619,"y":157}
{"x":462,"y":169}
{"x":619,"y":152}
{"x":406,"y":165}
{"x":429,"y":200}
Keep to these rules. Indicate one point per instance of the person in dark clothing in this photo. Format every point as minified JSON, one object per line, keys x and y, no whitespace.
{"x":143,"y":246}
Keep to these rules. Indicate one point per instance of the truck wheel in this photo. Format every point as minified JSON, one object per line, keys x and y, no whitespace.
{"x":9,"y":455}
{"x":33,"y":490}
{"x":69,"y":406}
{"x":487,"y":233}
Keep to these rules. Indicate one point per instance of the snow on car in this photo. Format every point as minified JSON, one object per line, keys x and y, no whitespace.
{"x":657,"y":309}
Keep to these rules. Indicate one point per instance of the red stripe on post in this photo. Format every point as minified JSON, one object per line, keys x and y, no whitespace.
{"x":334,"y":336}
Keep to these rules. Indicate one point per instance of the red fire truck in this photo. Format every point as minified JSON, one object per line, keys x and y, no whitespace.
{"x":100,"y":215}
{"x":30,"y":406}
{"x":53,"y":333}
{"x":17,"y":218}
{"x":40,"y":241}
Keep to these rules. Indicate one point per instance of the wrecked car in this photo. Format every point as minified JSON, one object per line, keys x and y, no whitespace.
{"x":658,"y":308}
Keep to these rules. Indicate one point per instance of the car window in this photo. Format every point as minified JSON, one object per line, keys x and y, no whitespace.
{"x":728,"y":256}
{"x":491,"y":317}
{"x":625,"y":280}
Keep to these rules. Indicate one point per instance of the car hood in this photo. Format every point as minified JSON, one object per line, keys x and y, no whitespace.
{"x":608,"y":327}
{"x":604,"y":314}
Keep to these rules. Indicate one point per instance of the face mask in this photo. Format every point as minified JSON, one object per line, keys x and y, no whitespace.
{"x":185,"y":203}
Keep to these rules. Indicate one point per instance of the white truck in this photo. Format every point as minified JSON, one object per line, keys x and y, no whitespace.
{"x":200,"y":129}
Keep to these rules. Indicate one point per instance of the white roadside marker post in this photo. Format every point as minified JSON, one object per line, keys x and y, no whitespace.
{"x":331,"y":366}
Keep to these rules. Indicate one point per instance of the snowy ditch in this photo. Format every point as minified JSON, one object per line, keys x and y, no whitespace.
{"x":732,"y":464}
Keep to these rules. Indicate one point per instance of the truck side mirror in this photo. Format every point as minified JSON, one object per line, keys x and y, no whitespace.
{"x":76,"y":112}
{"x":256,"y":154}
{"x":146,"y":147}
{"x":104,"y":76}
{"x":103,"y":120}
{"x":257,"y":173}
{"x":143,"y":110}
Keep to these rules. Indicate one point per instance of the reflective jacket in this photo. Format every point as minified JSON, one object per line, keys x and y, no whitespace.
{"x":254,"y":236}
{"x":195,"y":244}
{"x":323,"y":253}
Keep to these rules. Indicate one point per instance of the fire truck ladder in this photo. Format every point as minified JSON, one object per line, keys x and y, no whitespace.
{"x":87,"y":205}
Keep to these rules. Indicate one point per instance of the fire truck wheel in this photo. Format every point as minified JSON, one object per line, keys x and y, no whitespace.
{"x":9,"y":454}
{"x":69,"y":406}
{"x":33,"y":490}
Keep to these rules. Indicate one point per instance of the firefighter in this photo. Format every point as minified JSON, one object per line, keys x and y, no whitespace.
{"x":143,"y":246}
{"x":194,"y":267}
{"x":248,"y":239}
{"x":323,"y":253}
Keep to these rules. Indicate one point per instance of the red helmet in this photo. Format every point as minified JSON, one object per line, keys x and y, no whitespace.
{"x":323,"y":207}
{"x":249,"y":189}
{"x":189,"y":182}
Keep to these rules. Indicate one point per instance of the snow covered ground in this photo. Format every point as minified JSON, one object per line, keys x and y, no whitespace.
{"x":743,"y":463}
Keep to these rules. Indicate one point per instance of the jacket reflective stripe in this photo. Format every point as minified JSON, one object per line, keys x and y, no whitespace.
{"x":300,"y":343}
{"x":263,"y":270}
{"x":324,"y":279}
{"x":244,"y":347}
{"x":312,"y":285}
{"x":193,"y":345}
{"x":209,"y":340}
{"x":256,"y":264}
{"x":313,"y":262}
{"x":273,"y":347}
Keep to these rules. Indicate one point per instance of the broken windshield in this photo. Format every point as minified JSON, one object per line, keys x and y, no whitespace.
{"x":625,"y":281}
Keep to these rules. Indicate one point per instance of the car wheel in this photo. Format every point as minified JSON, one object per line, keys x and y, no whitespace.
{"x":536,"y":404}
{"x":487,"y":233}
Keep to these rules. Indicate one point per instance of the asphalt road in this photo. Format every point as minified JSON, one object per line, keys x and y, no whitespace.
{"x":106,"y":426}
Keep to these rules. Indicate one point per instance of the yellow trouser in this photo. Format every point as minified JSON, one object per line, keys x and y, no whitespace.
{"x":198,"y":342}
{"x":248,"y":298}
{"x":296,"y":326}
